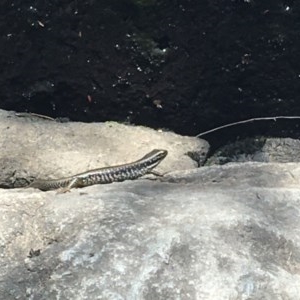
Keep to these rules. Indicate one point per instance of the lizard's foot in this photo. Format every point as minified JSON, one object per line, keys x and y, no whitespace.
{"x":155,"y":173}
{"x":68,"y":187}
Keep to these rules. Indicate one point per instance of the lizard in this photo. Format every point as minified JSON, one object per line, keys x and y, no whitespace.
{"x":128,"y":171}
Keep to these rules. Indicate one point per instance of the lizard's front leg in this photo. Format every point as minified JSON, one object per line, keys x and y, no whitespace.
{"x":72,"y":184}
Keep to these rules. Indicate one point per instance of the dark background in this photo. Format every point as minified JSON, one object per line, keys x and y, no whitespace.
{"x":186,"y":66}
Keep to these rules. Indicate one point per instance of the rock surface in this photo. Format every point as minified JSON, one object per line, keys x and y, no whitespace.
{"x":35,"y":148}
{"x":217,"y":232}
{"x":260,"y":149}
{"x":223,"y":232}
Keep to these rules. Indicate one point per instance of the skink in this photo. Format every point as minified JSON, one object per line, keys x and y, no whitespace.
{"x":128,"y":171}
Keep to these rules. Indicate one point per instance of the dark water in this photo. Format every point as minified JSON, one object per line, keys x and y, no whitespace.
{"x":186,"y":66}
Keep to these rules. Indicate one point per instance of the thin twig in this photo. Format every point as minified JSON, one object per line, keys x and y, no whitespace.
{"x":247,"y":121}
{"x":25,"y":114}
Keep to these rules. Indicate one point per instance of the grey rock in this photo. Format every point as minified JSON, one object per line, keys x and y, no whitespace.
{"x":260,"y":149}
{"x":222,"y":232}
{"x":215,"y":232}
{"x":33,"y":147}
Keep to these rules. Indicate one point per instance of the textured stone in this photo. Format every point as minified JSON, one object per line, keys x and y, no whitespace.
{"x":36,"y":148}
{"x":216,"y":232}
{"x":221,"y":232}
